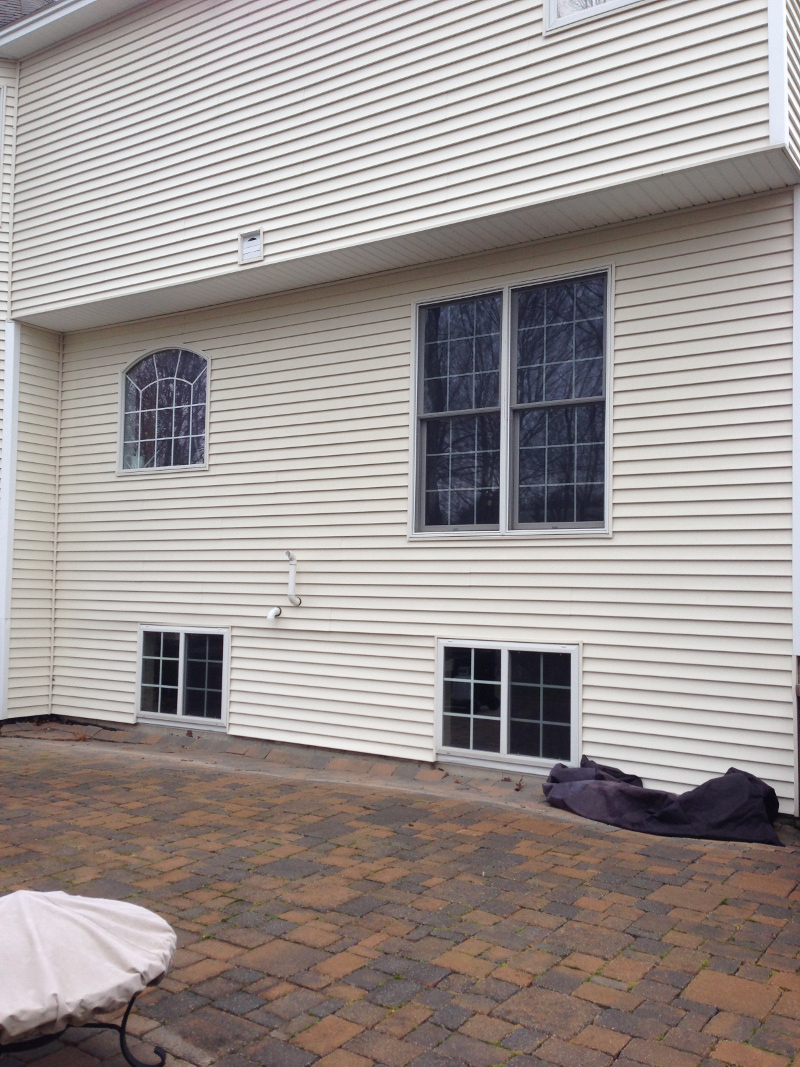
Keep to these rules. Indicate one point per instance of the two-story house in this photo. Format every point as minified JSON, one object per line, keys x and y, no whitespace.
{"x":482,"y":311}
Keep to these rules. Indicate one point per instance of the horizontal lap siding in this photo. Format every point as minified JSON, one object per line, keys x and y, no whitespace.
{"x":148,"y":144}
{"x":34,"y":524}
{"x":684,"y":613}
{"x":793,"y":78}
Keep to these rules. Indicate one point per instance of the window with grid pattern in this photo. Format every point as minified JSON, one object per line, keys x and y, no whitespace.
{"x":165,"y":411}
{"x":508,"y":701}
{"x":182,"y":674}
{"x":544,"y":451}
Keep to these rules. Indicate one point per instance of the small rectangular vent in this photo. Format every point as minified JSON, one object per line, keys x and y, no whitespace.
{"x":251,"y":246}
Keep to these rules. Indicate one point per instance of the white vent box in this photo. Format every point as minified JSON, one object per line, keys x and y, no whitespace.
{"x":251,"y":246}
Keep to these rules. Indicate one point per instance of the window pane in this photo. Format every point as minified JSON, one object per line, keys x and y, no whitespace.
{"x":486,"y":735}
{"x":525,"y":666}
{"x":471,"y":698}
{"x":540,"y":704}
{"x":526,"y":702}
{"x":203,"y":675}
{"x":487,"y":664}
{"x":556,"y":668}
{"x":525,"y":738}
{"x":457,"y":662}
{"x":168,"y":703}
{"x":456,"y":731}
{"x":457,"y":697}
{"x":461,"y":355}
{"x":149,"y":698}
{"x":555,"y":742}
{"x":462,"y":471}
{"x":486,"y":699}
{"x":555,"y":704}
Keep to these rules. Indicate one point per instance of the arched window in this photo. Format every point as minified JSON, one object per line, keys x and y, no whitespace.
{"x":165,"y":411}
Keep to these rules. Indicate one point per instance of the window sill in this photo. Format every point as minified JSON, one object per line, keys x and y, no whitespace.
{"x":533,"y":535}
{"x":188,"y":468}
{"x":190,"y":721}
{"x":523,"y":764}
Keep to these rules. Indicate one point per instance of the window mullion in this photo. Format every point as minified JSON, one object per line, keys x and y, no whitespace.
{"x":505,"y":416}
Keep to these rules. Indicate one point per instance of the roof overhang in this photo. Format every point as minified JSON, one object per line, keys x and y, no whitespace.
{"x":711,"y":183}
{"x":53,"y":24}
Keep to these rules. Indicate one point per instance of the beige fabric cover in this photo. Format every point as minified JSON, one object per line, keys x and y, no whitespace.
{"x":63,"y":959}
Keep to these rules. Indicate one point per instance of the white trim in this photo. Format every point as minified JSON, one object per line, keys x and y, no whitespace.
{"x":53,"y":24}
{"x":776,"y":65}
{"x":180,"y":718}
{"x":8,"y":488}
{"x":56,"y":504}
{"x":506,"y":289}
{"x":502,"y":759}
{"x":796,"y":484}
{"x":128,"y":472}
{"x":553,"y":22}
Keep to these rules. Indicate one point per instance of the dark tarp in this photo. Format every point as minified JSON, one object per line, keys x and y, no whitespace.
{"x":736,"y":807}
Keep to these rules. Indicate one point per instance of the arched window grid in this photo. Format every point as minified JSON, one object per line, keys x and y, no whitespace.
{"x":164,"y":411}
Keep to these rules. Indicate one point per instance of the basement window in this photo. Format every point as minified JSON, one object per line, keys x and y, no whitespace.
{"x":183,"y":675}
{"x":508,"y":704}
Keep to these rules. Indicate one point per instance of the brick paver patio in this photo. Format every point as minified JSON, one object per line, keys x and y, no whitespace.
{"x":345,"y":924}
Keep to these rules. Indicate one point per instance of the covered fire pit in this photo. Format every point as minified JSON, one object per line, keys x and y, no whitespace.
{"x":66,"y":960}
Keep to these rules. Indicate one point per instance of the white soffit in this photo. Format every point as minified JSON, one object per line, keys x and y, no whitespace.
{"x":743,"y":175}
{"x":53,"y":24}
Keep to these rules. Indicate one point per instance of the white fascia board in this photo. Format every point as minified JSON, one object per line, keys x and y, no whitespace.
{"x":8,"y":489}
{"x":56,"y":23}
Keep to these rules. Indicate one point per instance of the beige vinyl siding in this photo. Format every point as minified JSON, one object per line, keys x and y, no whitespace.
{"x":147,"y":145}
{"x":793,"y":78}
{"x":684,"y":613}
{"x":34,"y":524}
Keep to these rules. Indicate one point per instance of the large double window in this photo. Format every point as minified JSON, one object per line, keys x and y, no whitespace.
{"x":512,"y":410}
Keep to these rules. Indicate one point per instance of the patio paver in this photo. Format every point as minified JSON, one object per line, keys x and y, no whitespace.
{"x":400,"y":920}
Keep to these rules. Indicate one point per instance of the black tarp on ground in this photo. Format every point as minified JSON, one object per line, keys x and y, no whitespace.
{"x":735,"y":807}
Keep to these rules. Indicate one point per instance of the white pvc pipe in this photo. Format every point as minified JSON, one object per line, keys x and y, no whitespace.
{"x":274,"y":614}
{"x":293,"y":600}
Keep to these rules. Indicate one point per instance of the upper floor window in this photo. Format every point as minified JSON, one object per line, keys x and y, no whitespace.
{"x":165,"y":411}
{"x":512,"y":424}
{"x":563,"y":12}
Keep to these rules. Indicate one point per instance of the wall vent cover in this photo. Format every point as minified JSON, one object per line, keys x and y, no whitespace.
{"x":251,"y":246}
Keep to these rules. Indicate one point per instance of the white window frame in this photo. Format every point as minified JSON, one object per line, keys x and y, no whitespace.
{"x":416,"y":530}
{"x":553,"y":22}
{"x":503,"y":760}
{"x":163,"y":719}
{"x":181,"y":468}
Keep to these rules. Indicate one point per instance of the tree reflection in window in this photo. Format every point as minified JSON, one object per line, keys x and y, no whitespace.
{"x":165,"y":411}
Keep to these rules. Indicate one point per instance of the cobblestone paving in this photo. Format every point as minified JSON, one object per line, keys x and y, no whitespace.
{"x":346,"y":926}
